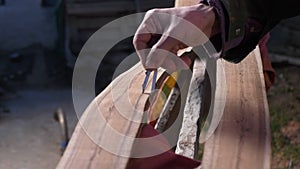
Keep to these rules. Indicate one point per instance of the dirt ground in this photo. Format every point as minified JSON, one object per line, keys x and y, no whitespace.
{"x":284,"y":103}
{"x":30,"y":137}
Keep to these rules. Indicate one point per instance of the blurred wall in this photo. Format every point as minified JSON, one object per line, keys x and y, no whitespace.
{"x":285,"y":38}
{"x":26,"y":22}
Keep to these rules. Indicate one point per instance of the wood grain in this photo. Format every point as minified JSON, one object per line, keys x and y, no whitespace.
{"x":179,"y":3}
{"x":103,"y":120}
{"x":242,"y":140}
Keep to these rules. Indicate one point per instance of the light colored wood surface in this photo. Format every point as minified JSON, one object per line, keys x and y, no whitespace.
{"x":86,"y":150}
{"x":185,"y":2}
{"x":242,"y":139}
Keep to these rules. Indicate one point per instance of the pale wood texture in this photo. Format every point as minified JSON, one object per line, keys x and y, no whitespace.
{"x":242,"y":139}
{"x":185,"y":2}
{"x":84,"y":150}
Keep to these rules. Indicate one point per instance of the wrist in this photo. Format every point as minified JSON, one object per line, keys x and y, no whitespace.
{"x":216,"y":28}
{"x":208,"y":20}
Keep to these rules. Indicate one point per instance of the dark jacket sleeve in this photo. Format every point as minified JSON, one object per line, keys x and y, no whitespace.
{"x":245,"y":22}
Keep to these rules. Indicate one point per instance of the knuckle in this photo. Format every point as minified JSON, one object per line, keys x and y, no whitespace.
{"x":136,"y":40}
{"x":150,"y":12}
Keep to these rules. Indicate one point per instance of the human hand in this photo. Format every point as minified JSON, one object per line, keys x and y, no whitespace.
{"x":168,"y":30}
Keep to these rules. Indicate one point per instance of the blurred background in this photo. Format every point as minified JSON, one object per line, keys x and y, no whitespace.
{"x":40,"y":41}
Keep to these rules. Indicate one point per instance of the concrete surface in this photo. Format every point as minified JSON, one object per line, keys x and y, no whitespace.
{"x":29,"y":136}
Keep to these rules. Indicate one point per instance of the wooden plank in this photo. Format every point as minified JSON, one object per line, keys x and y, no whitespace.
{"x":80,"y":36}
{"x":179,"y":3}
{"x":242,"y":139}
{"x":100,"y":8}
{"x":109,"y":8}
{"x":90,"y":26}
{"x":90,"y":22}
{"x":83,"y":151}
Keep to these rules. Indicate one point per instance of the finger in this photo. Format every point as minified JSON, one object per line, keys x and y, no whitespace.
{"x":163,"y":51}
{"x":186,"y":59}
{"x":159,"y":52}
{"x":186,"y":32}
{"x":140,"y":42}
{"x":177,"y":63}
{"x":145,"y":30}
{"x":144,"y":35}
